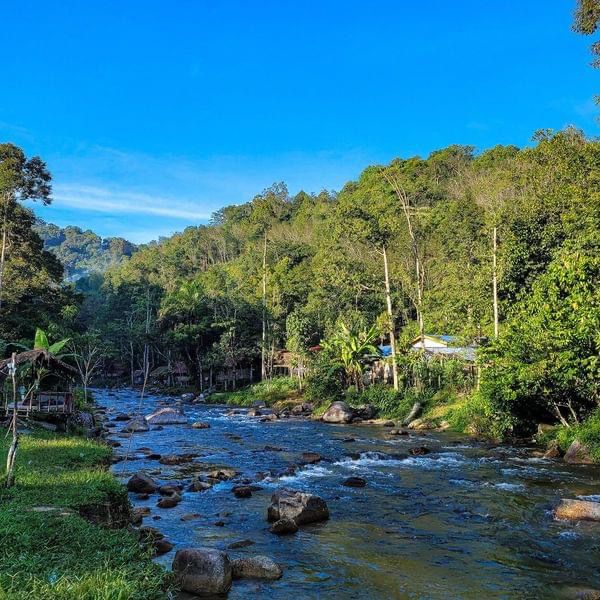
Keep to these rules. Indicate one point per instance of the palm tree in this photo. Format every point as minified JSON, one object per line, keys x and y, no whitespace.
{"x":350,"y":348}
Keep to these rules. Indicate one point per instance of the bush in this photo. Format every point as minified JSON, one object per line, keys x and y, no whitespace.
{"x":588,"y":433}
{"x":480,"y":417}
{"x":324,"y":383}
{"x":268,"y":391}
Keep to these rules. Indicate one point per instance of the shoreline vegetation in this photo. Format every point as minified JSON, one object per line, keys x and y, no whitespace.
{"x":63,"y":526}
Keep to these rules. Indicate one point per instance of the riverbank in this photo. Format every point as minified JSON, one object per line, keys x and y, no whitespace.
{"x":51,"y":548}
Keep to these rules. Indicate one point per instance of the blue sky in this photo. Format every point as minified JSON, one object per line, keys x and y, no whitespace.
{"x":151,"y":115}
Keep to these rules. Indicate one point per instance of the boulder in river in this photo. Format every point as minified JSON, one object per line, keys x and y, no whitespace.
{"x":202,"y":571}
{"x":136,"y":425}
{"x":188,"y":397}
{"x":240,"y":544}
{"x":161,"y":547}
{"x":284,"y":526}
{"x":122,"y":417}
{"x":166,"y":416}
{"x":338,"y":412}
{"x":141,"y":483}
{"x":578,"y":453}
{"x":200,"y":425}
{"x":553,"y":450}
{"x":303,"y":508}
{"x":578,"y":510}
{"x":256,"y":567}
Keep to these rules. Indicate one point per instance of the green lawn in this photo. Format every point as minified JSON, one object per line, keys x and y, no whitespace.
{"x":46,"y":554}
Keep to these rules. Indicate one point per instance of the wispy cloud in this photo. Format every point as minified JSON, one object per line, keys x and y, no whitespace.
{"x":114,"y":201}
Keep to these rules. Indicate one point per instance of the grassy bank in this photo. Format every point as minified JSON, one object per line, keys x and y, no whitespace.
{"x":271,"y":392}
{"x":47,"y":550}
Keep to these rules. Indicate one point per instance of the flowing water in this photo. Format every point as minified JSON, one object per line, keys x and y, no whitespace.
{"x":465,"y":521}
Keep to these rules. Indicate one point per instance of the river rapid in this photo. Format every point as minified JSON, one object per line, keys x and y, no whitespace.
{"x":465,"y":521}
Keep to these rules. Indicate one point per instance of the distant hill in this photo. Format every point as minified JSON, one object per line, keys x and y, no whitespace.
{"x":83,"y":252}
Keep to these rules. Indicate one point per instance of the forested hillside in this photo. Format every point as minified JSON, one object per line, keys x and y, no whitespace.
{"x":499,"y":249}
{"x":406,"y":250}
{"x":82,"y":252}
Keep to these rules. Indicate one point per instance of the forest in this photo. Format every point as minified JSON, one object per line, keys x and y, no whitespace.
{"x":497,"y":248}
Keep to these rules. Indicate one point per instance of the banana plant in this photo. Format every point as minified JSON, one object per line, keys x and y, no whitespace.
{"x":350,"y":348}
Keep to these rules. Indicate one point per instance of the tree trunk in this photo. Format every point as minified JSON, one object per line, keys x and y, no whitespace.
{"x":263,"y":366}
{"x":495,"y":279}
{"x":12,"y":451}
{"x":388,"y":299}
{"x":3,"y":251}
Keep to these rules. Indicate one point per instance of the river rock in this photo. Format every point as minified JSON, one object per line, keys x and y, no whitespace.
{"x":222,"y":474}
{"x":169,"y":490}
{"x":161,"y":547}
{"x":202,"y":571}
{"x":177,"y":459}
{"x":578,"y":453}
{"x":188,"y":397}
{"x":284,"y":526}
{"x":142,"y":484}
{"x":166,"y":416}
{"x":420,"y":425}
{"x":354,"y":482}
{"x":200,"y":425}
{"x":122,"y":417}
{"x":242,"y":491}
{"x":310,"y":458}
{"x":169,"y":501}
{"x":136,"y":425}
{"x":368,"y":411}
{"x":419,"y":451}
{"x":240,"y":544}
{"x":256,"y":567}
{"x":398,"y":432}
{"x":578,"y":510}
{"x":301,"y":507}
{"x":553,"y":450}
{"x":338,"y":412}
{"x":198,"y":485}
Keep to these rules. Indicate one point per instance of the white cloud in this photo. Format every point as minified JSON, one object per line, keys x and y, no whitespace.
{"x":114,"y":201}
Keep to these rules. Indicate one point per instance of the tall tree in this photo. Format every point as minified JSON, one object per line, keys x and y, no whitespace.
{"x":20,"y":179}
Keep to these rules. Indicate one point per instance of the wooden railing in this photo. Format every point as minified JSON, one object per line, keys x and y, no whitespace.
{"x":42,"y":402}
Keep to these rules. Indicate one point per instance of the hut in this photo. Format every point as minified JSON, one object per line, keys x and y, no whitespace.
{"x":45,"y":383}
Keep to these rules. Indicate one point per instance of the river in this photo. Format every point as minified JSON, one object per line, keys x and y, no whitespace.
{"x":465,"y":521}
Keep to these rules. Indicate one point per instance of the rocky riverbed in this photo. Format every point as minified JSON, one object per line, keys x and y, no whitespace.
{"x":422,"y":515}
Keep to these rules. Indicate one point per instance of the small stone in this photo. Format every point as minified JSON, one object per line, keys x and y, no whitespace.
{"x":419,"y":451}
{"x":200,"y":425}
{"x":256,"y":567}
{"x":169,"y":490}
{"x":240,"y":544}
{"x":310,"y":458}
{"x":354,"y":482}
{"x":284,"y":526}
{"x":162,"y":547}
{"x":169,"y":501}
{"x":190,"y":517}
{"x":199,"y":486}
{"x":242,"y":491}
{"x":219,"y":523}
{"x":154,"y":456}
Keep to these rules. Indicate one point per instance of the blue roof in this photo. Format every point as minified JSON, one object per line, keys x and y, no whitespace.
{"x":385,"y":350}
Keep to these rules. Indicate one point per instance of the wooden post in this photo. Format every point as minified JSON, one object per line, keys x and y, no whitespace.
{"x":12,"y":451}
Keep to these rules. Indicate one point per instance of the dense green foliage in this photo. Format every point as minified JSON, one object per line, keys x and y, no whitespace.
{"x":48,"y":555}
{"x":82,"y":252}
{"x":308,"y":263}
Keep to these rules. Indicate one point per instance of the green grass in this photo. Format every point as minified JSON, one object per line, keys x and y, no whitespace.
{"x":46,"y":555}
{"x":588,"y":433}
{"x":270,"y":391}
